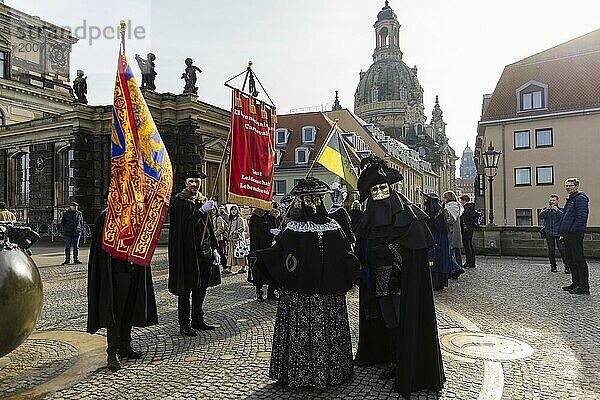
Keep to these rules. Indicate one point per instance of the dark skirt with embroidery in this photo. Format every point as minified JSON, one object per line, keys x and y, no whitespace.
{"x":311,"y":342}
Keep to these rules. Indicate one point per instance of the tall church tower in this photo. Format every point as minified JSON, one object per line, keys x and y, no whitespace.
{"x":389,"y":94}
{"x":390,"y":97}
{"x":467,"y":164}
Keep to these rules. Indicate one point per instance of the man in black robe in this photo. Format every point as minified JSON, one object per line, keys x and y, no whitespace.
{"x":395,"y":239}
{"x":193,"y":254}
{"x":260,"y":225}
{"x":120,"y":295}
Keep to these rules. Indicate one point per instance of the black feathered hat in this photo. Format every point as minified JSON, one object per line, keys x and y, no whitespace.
{"x":374,"y":172}
{"x":195,"y":174}
{"x":311,"y":186}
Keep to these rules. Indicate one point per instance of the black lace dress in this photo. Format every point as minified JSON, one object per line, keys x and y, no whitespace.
{"x":311,"y":343}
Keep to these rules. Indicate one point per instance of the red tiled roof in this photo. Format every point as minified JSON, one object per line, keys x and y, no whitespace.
{"x":295,"y":123}
{"x":571,"y":70}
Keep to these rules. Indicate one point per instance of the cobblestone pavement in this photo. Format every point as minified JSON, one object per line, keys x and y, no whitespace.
{"x":515,"y":298}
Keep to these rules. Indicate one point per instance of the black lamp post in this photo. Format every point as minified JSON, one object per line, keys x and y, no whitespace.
{"x":490,"y":159}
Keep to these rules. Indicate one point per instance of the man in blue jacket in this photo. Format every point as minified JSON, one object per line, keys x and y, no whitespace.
{"x":72,"y":226}
{"x":552,"y":215}
{"x":572,"y":229}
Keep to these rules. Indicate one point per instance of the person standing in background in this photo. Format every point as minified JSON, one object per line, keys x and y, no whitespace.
{"x":552,"y":215}
{"x":72,"y":226}
{"x":468,"y":223}
{"x":572,"y":228}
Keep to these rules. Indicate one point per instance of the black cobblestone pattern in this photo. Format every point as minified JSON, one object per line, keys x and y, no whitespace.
{"x":518,"y":298}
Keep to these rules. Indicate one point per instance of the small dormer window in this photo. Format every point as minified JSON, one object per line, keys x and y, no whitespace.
{"x":532,"y":96}
{"x":278,"y":155}
{"x":281,"y":136}
{"x":301,"y":155}
{"x":308,"y":134}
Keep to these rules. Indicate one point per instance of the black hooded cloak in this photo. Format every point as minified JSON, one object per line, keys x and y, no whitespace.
{"x":394,"y":230}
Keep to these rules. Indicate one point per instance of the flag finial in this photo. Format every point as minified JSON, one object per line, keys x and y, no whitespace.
{"x":122,"y":29}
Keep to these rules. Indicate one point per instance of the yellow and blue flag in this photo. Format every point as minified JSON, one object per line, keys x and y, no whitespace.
{"x":141,"y":175}
{"x":336,"y":158}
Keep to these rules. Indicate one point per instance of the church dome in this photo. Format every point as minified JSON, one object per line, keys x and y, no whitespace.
{"x":386,"y":13}
{"x":388,"y":79}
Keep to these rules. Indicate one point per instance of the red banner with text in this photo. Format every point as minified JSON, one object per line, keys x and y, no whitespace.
{"x":252,"y":152}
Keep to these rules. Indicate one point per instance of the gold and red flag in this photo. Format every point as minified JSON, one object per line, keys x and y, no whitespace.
{"x":252,"y":159}
{"x":141,"y":175}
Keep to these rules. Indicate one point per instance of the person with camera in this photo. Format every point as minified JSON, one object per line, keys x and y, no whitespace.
{"x":552,"y":215}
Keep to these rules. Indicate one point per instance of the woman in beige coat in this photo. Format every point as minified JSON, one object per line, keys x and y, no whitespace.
{"x":235,"y":236}
{"x":453,"y":212}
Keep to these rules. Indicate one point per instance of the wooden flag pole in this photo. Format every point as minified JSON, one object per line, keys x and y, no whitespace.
{"x":216,"y":183}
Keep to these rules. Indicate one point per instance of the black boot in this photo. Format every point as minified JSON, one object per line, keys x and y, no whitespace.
{"x":389,"y":372}
{"x":187,"y":330}
{"x":112,"y":362}
{"x":203,"y":326}
{"x":129,"y":352}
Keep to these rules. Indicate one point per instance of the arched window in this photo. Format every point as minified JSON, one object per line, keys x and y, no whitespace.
{"x":384,"y":37}
{"x":1,"y":118}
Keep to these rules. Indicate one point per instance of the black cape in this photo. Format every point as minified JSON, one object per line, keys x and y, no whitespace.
{"x":311,"y":258}
{"x":100,"y":287}
{"x":190,"y":263}
{"x":340,"y":215}
{"x":402,"y":223}
{"x":259,"y":228}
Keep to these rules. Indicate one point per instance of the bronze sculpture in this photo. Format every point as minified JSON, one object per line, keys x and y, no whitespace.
{"x":21,"y":291}
{"x":190,"y":77}
{"x":80,"y":87}
{"x":148,"y":73}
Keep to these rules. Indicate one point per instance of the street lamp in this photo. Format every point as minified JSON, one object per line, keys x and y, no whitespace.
{"x":490,"y":159}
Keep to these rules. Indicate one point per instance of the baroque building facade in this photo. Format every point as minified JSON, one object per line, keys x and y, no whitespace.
{"x":54,"y":150}
{"x":390,"y":97}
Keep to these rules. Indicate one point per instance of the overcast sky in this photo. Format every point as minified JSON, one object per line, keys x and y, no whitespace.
{"x":304,"y":50}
